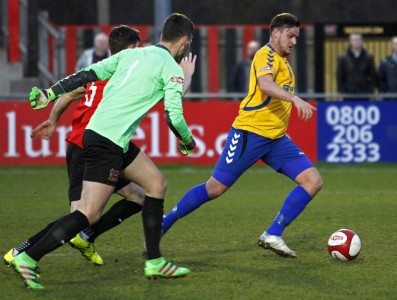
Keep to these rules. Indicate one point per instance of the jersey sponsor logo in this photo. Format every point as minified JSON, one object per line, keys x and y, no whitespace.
{"x":288,"y":88}
{"x":177,"y":79}
{"x":266,"y":68}
{"x":113,"y":175}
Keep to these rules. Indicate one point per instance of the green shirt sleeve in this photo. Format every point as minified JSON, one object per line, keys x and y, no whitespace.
{"x":101,"y":70}
{"x":172,"y":76}
{"x":105,"y":68}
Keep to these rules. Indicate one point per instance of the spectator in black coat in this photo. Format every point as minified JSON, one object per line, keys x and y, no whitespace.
{"x":388,"y":71}
{"x":356,"y":72}
{"x":240,"y":77}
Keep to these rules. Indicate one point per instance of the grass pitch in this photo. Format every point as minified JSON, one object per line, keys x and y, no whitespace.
{"x":218,"y":242}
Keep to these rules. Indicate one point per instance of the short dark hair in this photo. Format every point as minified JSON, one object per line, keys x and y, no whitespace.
{"x":284,"y":20}
{"x":121,"y":37}
{"x":177,"y":26}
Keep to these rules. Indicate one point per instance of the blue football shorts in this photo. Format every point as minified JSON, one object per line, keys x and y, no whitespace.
{"x":244,"y":148}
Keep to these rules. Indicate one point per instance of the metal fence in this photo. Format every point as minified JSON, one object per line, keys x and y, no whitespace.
{"x":51,"y":42}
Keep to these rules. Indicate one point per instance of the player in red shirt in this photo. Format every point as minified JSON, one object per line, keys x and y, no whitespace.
{"x":120,"y":38}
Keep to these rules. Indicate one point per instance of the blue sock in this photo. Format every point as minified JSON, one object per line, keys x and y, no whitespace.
{"x":192,"y":200}
{"x":293,"y":205}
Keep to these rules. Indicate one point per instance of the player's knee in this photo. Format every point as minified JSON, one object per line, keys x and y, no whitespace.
{"x":91,"y":215}
{"x":319,"y":183}
{"x":315,"y":183}
{"x":132,"y":192}
{"x":311,"y":181}
{"x":215,"y":188}
{"x":158,"y":187}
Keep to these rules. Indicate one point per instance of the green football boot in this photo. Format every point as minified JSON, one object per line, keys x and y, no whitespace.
{"x":27,"y":268}
{"x":87,"y":249}
{"x":159,"y":267}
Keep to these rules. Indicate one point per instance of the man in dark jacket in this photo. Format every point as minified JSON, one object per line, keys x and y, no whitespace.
{"x":240,"y":77}
{"x":356,"y":71}
{"x":388,"y":70}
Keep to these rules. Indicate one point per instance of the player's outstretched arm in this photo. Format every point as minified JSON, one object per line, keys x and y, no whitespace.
{"x":39,"y":98}
{"x":188,"y":65}
{"x":269,"y":87}
{"x":46,"y":128}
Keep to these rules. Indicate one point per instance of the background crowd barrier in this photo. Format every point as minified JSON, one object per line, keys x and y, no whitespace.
{"x":340,"y":132}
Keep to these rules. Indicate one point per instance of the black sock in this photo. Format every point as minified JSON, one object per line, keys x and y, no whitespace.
{"x":152,"y":217}
{"x":34,"y":239}
{"x":62,"y":231}
{"x":120,"y":211}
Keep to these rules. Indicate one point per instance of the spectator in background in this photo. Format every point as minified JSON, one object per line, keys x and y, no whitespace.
{"x":388,"y":70}
{"x":356,"y":71}
{"x":98,"y":52}
{"x":240,"y":76}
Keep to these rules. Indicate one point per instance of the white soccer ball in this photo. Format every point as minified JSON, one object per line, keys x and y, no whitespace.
{"x":344,"y":245}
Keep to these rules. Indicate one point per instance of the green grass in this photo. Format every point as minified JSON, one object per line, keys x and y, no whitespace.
{"x":218,"y":242}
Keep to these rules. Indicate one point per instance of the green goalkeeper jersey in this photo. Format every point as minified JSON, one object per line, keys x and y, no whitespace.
{"x":139,"y":78}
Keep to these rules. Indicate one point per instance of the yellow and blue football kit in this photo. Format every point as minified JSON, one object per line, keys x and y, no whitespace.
{"x":258,"y":133}
{"x":259,"y":130}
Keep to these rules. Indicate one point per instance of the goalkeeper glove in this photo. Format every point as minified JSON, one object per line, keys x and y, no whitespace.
{"x":186,"y":149}
{"x":39,"y":98}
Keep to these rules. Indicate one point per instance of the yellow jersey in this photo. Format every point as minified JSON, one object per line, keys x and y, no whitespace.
{"x":260,"y":113}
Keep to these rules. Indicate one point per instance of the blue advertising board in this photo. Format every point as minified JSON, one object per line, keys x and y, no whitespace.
{"x":357,"y":132}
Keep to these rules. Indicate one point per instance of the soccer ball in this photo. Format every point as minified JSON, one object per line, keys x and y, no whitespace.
{"x":344,"y":245}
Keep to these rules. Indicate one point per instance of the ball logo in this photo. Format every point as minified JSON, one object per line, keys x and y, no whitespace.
{"x":337,"y":238}
{"x":344,"y":245}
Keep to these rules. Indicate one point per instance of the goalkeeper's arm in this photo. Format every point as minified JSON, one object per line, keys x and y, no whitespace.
{"x":102,"y":70}
{"x":71,"y":83}
{"x":39,"y":98}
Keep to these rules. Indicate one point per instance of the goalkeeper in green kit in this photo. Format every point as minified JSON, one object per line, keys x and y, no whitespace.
{"x":138,"y":79}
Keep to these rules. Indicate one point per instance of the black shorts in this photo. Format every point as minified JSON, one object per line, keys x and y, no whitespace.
{"x":104,"y":159}
{"x":75,"y":160}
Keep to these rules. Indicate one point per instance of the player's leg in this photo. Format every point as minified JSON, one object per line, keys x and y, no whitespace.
{"x":131,"y":204}
{"x":103,"y":160}
{"x":9,"y":256}
{"x":144,"y":172}
{"x":236,"y":157}
{"x":309,"y":183}
{"x":94,"y":198}
{"x":75,"y":166}
{"x":289,"y":160}
{"x":75,"y":161}
{"x":84,"y":241}
{"x":65,"y":228}
{"x":193,"y":199}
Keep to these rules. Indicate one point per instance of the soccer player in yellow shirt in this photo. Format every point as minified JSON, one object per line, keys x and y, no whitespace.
{"x":259,"y":133}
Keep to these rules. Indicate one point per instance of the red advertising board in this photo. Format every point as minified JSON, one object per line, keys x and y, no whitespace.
{"x":208,"y":120}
